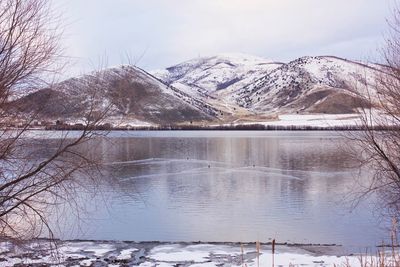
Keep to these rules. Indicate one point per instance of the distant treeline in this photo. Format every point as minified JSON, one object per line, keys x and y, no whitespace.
{"x":243,"y":127}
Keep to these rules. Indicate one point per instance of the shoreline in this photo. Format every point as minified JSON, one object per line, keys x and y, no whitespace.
{"x":209,"y":128}
{"x":168,"y":254}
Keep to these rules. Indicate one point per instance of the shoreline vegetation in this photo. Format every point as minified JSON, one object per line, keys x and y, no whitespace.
{"x":243,"y":127}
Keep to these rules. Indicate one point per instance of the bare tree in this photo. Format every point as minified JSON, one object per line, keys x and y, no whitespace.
{"x":35,"y":175}
{"x":378,"y":145}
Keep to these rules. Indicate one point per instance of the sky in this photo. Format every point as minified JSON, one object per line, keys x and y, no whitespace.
{"x":156,"y":34}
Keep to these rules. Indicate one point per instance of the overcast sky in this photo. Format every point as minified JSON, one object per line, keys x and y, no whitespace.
{"x":165,"y":32}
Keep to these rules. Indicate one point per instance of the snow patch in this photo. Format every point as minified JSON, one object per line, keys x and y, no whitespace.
{"x":126,"y":254}
{"x":178,"y":254}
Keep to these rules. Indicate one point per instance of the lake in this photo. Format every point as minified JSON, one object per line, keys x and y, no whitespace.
{"x":222,"y":186}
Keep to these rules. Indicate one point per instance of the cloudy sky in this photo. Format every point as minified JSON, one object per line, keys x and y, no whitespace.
{"x":160,"y":33}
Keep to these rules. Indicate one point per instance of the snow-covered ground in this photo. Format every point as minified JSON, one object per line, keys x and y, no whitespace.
{"x":317,"y":120}
{"x":374,"y":117}
{"x":171,"y":254}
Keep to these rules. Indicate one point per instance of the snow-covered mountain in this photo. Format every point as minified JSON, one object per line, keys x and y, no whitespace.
{"x":222,"y":88}
{"x":324,"y":84}
{"x":206,"y":75}
{"x":125,"y":91}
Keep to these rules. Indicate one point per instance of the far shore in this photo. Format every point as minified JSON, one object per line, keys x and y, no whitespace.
{"x":244,"y":127}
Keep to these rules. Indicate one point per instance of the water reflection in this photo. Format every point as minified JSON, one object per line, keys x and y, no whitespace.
{"x":228,"y":186}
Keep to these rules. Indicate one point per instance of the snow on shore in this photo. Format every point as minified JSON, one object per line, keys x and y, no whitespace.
{"x":317,"y":120}
{"x":79,"y":253}
{"x":374,"y":118}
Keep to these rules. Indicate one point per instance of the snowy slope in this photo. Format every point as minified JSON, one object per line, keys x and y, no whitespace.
{"x":309,"y":84}
{"x":125,"y":91}
{"x":314,"y":84}
{"x":204,"y":76}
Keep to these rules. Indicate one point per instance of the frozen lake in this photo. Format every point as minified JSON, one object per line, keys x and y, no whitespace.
{"x":227,"y":186}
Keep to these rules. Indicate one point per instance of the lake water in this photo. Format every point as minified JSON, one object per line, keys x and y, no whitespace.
{"x":228,"y":186}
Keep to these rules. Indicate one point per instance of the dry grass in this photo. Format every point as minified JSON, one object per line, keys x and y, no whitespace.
{"x":387,"y":255}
